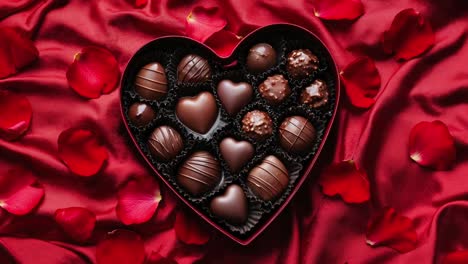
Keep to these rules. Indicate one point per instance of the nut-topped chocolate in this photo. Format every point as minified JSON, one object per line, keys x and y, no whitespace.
{"x":257,"y":125}
{"x":141,"y":114}
{"x":275,"y":89}
{"x":297,"y":135}
{"x":199,"y":173}
{"x":301,"y":63}
{"x":261,"y":57}
{"x":151,"y":81}
{"x":193,"y":69}
{"x":315,"y":95}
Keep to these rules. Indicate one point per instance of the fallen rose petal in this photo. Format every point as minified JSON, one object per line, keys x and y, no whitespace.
{"x":431,"y":145}
{"x":346,"y":180}
{"x":390,"y":229}
{"x":457,"y":257}
{"x":139,"y":3}
{"x":122,"y":247}
{"x":15,"y":117}
{"x":338,"y":9}
{"x":223,"y":42}
{"x":16,"y":51}
{"x":77,"y":222}
{"x":138,"y":200}
{"x":409,"y":36}
{"x":24,"y":200}
{"x":95,"y":71}
{"x":156,"y":258}
{"x":361,"y":81}
{"x":190,"y":230}
{"x":203,"y":22}
{"x":81,"y":151}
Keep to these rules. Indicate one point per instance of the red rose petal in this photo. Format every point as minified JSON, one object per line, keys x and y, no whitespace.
{"x":409,"y":36}
{"x":458,"y":257}
{"x":81,"y":151}
{"x":190,"y":230}
{"x":338,"y":9}
{"x":388,"y":228}
{"x":223,"y":42}
{"x":138,"y":200}
{"x":362,"y":81}
{"x":15,"y":117}
{"x":122,"y":247}
{"x":16,"y":51}
{"x":345,"y":179}
{"x":156,"y":258}
{"x":24,"y":200}
{"x":77,"y":222}
{"x":95,"y":71}
{"x":139,"y":3}
{"x":203,"y":22}
{"x":431,"y":145}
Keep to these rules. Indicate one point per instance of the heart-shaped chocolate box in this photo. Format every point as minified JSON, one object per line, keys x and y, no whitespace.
{"x":269,"y":154}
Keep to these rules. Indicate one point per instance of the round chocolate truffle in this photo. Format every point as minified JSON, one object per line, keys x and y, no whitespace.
{"x":232,"y":206}
{"x":151,"y":82}
{"x":141,"y":114}
{"x":193,"y":69}
{"x":199,"y":173}
{"x":301,"y":63}
{"x":315,"y":95}
{"x":165,"y":143}
{"x":257,"y":124}
{"x":261,"y":57}
{"x":297,"y":135}
{"x":275,"y":89}
{"x":269,"y":179}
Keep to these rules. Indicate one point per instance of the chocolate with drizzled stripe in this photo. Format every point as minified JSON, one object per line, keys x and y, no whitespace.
{"x":297,"y":135}
{"x":269,"y":179}
{"x":200,"y":173}
{"x":193,"y":69}
{"x":151,"y":82}
{"x":165,"y":143}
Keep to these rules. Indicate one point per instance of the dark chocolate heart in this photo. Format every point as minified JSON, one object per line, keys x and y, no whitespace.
{"x":198,"y":113}
{"x":231,"y":206}
{"x":236,"y":153}
{"x":234,"y":96}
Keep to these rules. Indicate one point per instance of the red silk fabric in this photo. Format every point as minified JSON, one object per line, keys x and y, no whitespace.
{"x":313,"y":228}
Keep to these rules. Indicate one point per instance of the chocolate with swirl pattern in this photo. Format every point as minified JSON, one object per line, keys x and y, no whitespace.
{"x":199,"y":173}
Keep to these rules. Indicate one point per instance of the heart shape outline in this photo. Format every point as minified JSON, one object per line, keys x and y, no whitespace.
{"x":168,"y":41}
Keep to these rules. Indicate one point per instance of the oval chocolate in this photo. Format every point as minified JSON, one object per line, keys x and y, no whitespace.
{"x":200,"y":173}
{"x":151,"y":81}
{"x":165,"y":143}
{"x":268,"y":179}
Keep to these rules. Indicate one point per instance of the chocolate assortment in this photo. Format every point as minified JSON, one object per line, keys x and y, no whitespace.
{"x":233,"y":139}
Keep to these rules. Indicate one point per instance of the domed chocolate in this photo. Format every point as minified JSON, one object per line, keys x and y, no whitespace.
{"x":268,"y":179}
{"x":165,"y":143}
{"x":297,"y":135}
{"x":141,"y":114}
{"x":275,"y":89}
{"x":316,"y":94}
{"x":257,"y":124}
{"x":193,"y":69}
{"x":199,"y":173}
{"x":261,"y":57}
{"x":301,"y":63}
{"x":151,"y":81}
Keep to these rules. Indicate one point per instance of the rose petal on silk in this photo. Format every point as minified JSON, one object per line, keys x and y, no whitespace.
{"x":156,"y":258}
{"x":140,"y":3}
{"x":24,"y":200}
{"x":361,"y":81}
{"x":138,"y":200}
{"x":346,"y":180}
{"x":390,"y":229}
{"x":82,"y":152}
{"x":338,"y":9}
{"x":95,"y":71}
{"x":190,"y":230}
{"x":457,"y":257}
{"x":431,"y":145}
{"x":409,"y":36}
{"x":203,"y":22}
{"x":223,"y":42}
{"x":16,"y":51}
{"x":77,"y":222}
{"x":121,"y":246}
{"x":15,"y":117}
